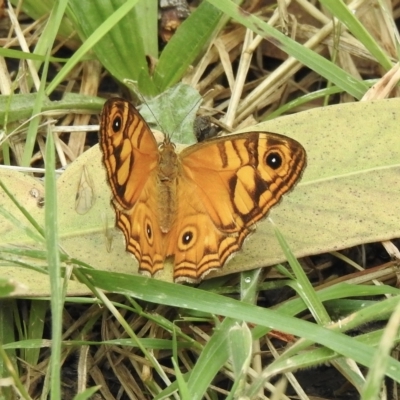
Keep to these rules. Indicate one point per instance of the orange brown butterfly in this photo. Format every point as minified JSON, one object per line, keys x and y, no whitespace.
{"x":195,"y":207}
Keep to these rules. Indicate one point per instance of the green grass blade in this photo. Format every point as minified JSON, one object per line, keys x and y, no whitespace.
{"x":249,"y":285}
{"x":240,"y":345}
{"x":188,"y":297}
{"x":111,"y":55}
{"x":302,"y":285}
{"x":22,"y":55}
{"x":50,"y":31}
{"x":13,"y":373}
{"x":376,"y":372}
{"x":183,"y":387}
{"x":38,"y":9}
{"x":53,"y":259}
{"x":87,"y":394}
{"x":212,"y":358}
{"x":53,"y":24}
{"x":24,"y":212}
{"x":188,"y":42}
{"x":343,"y":290}
{"x":342,"y":12}
{"x":34,"y":122}
{"x":7,"y":335}
{"x":115,"y":31}
{"x":35,"y":328}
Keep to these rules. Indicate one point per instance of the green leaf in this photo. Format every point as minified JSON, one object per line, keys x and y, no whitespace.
{"x":20,"y":106}
{"x":173,"y":112}
{"x":350,"y":185}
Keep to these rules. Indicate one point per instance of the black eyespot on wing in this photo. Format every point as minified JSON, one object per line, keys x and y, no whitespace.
{"x":274,"y":160}
{"x":187,"y":237}
{"x":149,"y":231}
{"x":116,"y":124}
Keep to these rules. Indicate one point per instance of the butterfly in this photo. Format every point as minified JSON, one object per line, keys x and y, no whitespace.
{"x":195,"y":207}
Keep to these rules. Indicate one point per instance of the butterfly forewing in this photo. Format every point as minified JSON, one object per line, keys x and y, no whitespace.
{"x":240,"y":177}
{"x":130,"y":151}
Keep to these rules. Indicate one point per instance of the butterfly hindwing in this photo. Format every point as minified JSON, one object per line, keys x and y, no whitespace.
{"x":143,"y":237}
{"x":196,"y":244}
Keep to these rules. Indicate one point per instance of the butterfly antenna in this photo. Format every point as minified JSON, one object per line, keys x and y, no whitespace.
{"x":166,"y":105}
{"x":135,"y":89}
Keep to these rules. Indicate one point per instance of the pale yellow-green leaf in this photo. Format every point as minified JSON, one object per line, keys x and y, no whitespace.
{"x":348,"y":195}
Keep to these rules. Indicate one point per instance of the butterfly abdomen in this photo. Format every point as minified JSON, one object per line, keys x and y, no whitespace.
{"x":167,"y":186}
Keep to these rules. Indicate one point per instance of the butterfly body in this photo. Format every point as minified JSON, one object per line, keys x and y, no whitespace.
{"x":197,"y":206}
{"x":167,"y":174}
